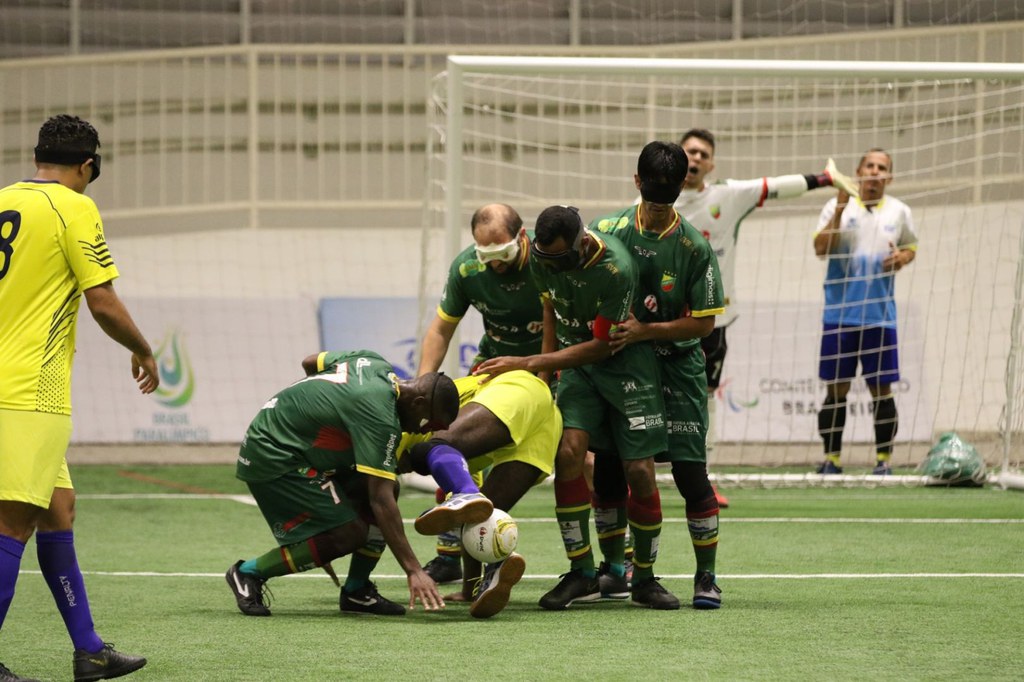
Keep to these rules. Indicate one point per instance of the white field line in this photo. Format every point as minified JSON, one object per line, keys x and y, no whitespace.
{"x":318,"y":575}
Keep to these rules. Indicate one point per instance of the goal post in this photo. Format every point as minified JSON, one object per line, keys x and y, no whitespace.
{"x":536,"y":131}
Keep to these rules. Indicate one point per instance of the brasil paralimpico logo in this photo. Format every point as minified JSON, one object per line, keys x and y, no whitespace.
{"x":177,"y":380}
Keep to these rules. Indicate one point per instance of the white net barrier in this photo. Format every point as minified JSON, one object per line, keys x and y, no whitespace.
{"x":572,"y":137}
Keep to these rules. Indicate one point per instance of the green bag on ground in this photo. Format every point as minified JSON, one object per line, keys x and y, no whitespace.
{"x":953,"y":462}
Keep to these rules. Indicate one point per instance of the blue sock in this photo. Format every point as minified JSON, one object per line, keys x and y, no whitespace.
{"x":449,"y":469}
{"x":59,"y":564}
{"x":248,"y":567}
{"x":10,"y":563}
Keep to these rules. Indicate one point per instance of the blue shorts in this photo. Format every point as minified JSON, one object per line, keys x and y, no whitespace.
{"x":873,"y":347}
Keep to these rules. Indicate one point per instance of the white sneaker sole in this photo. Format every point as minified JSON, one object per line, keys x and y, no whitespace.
{"x":441,"y":518}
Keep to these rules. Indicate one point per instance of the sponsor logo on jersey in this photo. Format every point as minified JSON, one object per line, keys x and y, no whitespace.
{"x":471,"y":267}
{"x":683,"y":427}
{"x":637,"y":423}
{"x":709,"y":278}
{"x":651,"y":303}
{"x":535,"y":327}
{"x":389,"y":450}
{"x":629,"y":387}
{"x":668,"y":281}
{"x":644,"y":253}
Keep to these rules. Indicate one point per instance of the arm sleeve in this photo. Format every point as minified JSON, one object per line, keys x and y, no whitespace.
{"x":786,"y":186}
{"x":86,"y":246}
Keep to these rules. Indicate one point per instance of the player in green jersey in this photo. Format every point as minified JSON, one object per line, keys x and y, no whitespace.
{"x":492,"y":276}
{"x":588,"y":282}
{"x":53,"y":253}
{"x":320,"y":459}
{"x":680,"y":295}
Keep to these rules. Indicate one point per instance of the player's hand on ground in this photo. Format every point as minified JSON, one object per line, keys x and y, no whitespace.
{"x":145,"y":371}
{"x":423,"y":588}
{"x":624,"y":333}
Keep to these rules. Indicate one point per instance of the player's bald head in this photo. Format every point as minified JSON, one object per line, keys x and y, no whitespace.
{"x":500,"y":221}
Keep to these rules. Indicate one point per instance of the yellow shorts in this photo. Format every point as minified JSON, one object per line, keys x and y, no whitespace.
{"x":524,"y":404}
{"x":33,"y":449}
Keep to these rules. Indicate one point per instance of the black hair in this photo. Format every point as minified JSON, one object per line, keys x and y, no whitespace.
{"x":558,"y":222}
{"x":662,"y":162}
{"x":700,"y":134}
{"x":66,"y":133}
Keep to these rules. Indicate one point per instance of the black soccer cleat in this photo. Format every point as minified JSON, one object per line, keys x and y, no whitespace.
{"x":105,"y":664}
{"x":368,"y":600}
{"x":573,"y":587}
{"x":7,"y":676}
{"x":493,"y":591}
{"x":612,"y":586}
{"x":652,"y":595}
{"x":249,"y":591}
{"x":444,"y":570}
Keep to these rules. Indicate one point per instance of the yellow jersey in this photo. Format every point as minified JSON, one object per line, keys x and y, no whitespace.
{"x":52,"y":249}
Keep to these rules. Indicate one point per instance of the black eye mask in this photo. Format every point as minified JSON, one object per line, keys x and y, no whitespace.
{"x":69,"y":158}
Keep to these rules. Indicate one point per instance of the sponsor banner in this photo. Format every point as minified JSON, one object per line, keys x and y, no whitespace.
{"x":388,"y":326}
{"x":770,"y":389}
{"x":219,"y":360}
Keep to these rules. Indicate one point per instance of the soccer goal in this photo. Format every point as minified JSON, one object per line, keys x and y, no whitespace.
{"x":535,"y":131}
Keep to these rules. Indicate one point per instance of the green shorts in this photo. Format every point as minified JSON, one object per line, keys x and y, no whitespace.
{"x":618,"y":402}
{"x":303,"y":503}
{"x":684,"y":383}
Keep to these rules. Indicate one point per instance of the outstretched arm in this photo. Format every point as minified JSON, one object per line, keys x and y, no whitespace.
{"x":389,"y":520}
{"x":116,"y":322}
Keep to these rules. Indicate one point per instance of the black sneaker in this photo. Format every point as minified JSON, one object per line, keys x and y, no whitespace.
{"x":612,"y":586}
{"x":444,"y":569}
{"x":104,"y":664}
{"x":7,"y":676}
{"x":248,"y":590}
{"x":829,"y":467}
{"x":368,"y":600}
{"x":493,"y":591}
{"x":706,"y":593}
{"x":651,"y":594}
{"x":573,"y":587}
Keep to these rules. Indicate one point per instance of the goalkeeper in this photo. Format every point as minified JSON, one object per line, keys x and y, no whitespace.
{"x":717,"y":210}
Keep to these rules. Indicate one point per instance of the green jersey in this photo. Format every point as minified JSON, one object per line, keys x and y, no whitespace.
{"x":605,"y":285}
{"x":344,"y":418}
{"x":678,"y":271}
{"x":508,"y":302}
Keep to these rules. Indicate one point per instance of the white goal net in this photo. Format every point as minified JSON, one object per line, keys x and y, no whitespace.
{"x":533,"y":132}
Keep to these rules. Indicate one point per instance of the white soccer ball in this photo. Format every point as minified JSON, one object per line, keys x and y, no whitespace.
{"x":492,"y":540}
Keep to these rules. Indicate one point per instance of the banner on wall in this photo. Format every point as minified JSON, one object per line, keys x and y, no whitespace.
{"x":770,"y":391}
{"x":388,"y":326}
{"x":219,"y":361}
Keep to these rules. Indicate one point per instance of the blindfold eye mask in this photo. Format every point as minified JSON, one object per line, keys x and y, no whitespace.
{"x":503,"y":253}
{"x":563,"y":261}
{"x":69,"y":158}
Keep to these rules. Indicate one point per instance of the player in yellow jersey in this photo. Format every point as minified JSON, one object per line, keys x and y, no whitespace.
{"x":52,"y":253}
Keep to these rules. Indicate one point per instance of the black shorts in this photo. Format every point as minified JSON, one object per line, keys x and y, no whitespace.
{"x":715,"y":347}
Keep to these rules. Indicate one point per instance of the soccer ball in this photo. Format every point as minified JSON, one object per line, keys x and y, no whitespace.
{"x":492,"y":540}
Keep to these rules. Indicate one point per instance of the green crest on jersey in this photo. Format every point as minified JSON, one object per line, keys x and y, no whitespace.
{"x":472,"y":267}
{"x":609,"y":224}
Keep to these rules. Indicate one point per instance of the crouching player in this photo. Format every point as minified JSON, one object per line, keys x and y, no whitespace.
{"x":509,"y":425}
